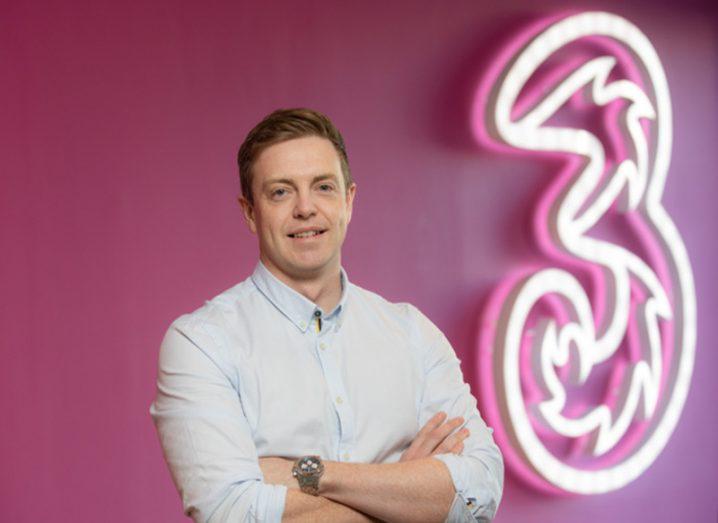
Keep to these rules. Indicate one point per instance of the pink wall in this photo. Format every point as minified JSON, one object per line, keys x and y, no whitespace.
{"x":118,"y":134}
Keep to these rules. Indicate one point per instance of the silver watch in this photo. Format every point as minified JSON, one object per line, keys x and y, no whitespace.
{"x":308,"y":470}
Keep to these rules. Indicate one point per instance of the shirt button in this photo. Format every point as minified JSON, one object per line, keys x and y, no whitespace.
{"x":339,"y":400}
{"x":322,"y":345}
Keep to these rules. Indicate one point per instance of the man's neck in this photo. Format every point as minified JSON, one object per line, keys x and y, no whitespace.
{"x":324,"y":289}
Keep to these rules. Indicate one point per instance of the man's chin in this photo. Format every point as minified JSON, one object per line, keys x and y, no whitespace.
{"x":302,"y":268}
{"x":309,"y":269}
{"x":306,"y":271}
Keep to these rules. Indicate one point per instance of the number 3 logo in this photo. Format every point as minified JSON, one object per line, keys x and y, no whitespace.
{"x":585,"y":362}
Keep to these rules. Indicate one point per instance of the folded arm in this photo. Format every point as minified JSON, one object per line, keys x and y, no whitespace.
{"x":417,"y":488}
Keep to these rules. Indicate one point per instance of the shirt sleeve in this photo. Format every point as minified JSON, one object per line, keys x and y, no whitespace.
{"x":204,"y":433}
{"x":478,"y":472}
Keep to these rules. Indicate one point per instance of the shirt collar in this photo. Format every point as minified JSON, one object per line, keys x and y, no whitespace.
{"x":297,"y":308}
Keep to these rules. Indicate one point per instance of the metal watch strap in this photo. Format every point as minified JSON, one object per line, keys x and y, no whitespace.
{"x":309,"y":485}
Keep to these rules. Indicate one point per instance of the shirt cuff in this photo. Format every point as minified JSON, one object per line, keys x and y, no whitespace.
{"x":475,"y":499}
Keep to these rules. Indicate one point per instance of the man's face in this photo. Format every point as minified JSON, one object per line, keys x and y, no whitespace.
{"x":301,"y":207}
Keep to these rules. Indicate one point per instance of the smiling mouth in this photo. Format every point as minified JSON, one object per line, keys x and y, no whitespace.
{"x":307,"y":234}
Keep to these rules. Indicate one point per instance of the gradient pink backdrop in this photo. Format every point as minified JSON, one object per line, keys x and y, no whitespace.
{"x":118,"y":133}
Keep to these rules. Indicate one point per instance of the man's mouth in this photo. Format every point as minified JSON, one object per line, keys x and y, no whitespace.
{"x":307,"y":234}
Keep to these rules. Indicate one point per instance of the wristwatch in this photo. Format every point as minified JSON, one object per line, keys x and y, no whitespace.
{"x":308,"y":470}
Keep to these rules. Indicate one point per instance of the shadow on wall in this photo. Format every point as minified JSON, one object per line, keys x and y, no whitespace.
{"x":448,"y":119}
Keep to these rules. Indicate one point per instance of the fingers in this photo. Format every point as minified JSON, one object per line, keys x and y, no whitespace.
{"x":453,"y":442}
{"x":437,"y":436}
{"x":458,"y":448}
{"x":435,"y":422}
{"x":428,"y":440}
{"x":413,"y":451}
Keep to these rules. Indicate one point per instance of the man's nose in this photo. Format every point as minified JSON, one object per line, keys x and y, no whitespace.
{"x":304,"y":205}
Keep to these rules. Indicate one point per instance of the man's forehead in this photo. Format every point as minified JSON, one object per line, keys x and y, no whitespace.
{"x":303,"y":149}
{"x":299,"y":158}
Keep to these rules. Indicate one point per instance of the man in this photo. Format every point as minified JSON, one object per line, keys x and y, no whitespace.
{"x":298,"y":396}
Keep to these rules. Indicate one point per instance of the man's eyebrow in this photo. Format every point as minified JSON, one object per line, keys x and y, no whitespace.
{"x":271,"y":181}
{"x":289,"y":181}
{"x":322,"y":177}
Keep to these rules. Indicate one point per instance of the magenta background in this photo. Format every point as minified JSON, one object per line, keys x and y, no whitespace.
{"x":118,"y":132}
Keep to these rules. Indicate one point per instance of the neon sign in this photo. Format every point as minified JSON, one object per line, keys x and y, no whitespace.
{"x":596,"y":307}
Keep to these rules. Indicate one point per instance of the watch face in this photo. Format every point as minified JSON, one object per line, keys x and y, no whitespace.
{"x":310,"y":465}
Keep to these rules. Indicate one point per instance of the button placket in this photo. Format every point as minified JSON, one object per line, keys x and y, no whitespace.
{"x":318,"y":338}
{"x":326,"y":341}
{"x":323,"y":339}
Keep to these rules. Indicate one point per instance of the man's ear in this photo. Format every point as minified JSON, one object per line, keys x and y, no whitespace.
{"x":351,"y":192}
{"x":248,"y":211}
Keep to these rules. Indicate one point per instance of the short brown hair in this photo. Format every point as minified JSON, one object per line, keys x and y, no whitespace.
{"x":283,"y":125}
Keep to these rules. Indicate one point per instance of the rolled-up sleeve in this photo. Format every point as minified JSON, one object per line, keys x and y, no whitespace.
{"x":478,"y":472}
{"x":204,"y":433}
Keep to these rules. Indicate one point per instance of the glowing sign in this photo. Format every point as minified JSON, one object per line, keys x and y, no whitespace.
{"x":544,"y":335}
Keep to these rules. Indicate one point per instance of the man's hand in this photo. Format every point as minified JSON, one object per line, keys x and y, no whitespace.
{"x":278,"y":471}
{"x":437,"y":437}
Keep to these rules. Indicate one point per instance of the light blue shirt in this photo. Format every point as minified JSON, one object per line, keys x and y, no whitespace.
{"x":251,"y":374}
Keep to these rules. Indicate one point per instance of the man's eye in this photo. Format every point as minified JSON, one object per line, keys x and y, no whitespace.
{"x":278,"y":193}
{"x":326,"y":187}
